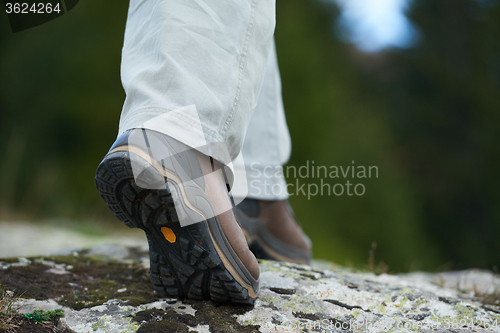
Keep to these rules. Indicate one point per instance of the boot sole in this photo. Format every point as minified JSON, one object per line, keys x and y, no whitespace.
{"x":186,"y":262}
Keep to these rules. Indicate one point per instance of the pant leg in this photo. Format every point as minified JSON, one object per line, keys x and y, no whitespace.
{"x":192,"y":69}
{"x":267,"y":144}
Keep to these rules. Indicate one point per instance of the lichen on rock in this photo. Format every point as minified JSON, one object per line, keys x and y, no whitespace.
{"x":112,"y":293}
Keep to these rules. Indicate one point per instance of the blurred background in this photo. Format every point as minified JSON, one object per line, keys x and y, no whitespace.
{"x":412,"y":87}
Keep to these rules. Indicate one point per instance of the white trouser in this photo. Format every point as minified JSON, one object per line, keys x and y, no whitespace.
{"x":206,"y":74}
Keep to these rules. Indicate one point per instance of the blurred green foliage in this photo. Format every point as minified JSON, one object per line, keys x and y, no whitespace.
{"x":427,"y":117}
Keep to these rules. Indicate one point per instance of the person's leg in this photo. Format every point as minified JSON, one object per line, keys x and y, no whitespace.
{"x":265,"y":215}
{"x":267,"y":144}
{"x":191,"y":71}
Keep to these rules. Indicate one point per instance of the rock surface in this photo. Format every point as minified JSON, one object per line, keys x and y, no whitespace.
{"x":48,"y":237}
{"x":107,"y":289}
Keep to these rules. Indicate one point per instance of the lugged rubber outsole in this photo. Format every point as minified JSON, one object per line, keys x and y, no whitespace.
{"x":187,"y":268}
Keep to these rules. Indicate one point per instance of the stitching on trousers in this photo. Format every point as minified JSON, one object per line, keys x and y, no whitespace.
{"x":137,"y":113}
{"x":241,"y":69}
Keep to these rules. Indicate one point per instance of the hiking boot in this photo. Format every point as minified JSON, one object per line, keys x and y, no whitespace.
{"x":272,"y":232}
{"x":209,"y":259}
